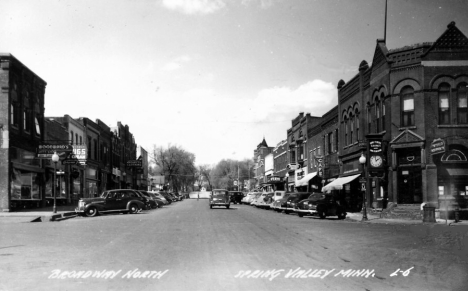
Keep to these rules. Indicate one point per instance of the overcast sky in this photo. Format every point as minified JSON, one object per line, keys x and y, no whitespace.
{"x":212,"y":76}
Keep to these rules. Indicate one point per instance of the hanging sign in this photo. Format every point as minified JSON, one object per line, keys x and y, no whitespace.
{"x":437,"y":146}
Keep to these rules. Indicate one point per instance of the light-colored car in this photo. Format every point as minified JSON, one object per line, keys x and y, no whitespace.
{"x":258,"y":198}
{"x":265,"y":202}
{"x":248,"y":198}
{"x":280,"y":204}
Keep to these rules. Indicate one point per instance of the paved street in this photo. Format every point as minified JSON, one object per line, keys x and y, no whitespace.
{"x":187,"y":246}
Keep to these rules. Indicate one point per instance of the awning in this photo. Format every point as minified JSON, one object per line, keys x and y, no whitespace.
{"x":338,"y":183}
{"x":304,"y":181}
{"x":457,"y":172}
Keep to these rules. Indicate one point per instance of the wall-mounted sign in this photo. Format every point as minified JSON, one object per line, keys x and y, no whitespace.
{"x":437,"y":146}
{"x":275,"y":179}
{"x":135,"y":163}
{"x":46,"y":151}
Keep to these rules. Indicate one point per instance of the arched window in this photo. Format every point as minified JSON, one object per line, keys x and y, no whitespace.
{"x":356,"y":119}
{"x":369,"y":119}
{"x":351,"y":132}
{"x":407,"y":106}
{"x":346,"y":132}
{"x":71,"y":137}
{"x":377,"y":116}
{"x":444,"y":104}
{"x":76,"y":138}
{"x":462,"y":112}
{"x":383,"y":110}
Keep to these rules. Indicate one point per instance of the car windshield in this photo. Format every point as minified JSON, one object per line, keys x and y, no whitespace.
{"x":104,"y":194}
{"x":219,"y":195}
{"x":316,"y":196}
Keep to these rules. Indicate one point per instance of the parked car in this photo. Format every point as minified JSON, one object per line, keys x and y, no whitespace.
{"x":236,"y":196}
{"x":266,"y":200}
{"x":248,"y":198}
{"x":293,"y":199}
{"x":321,"y":204}
{"x":160,"y":197}
{"x":120,"y":200}
{"x":168,"y":197}
{"x":219,"y":197}
{"x":153,"y":204}
{"x":280,"y":204}
{"x":258,"y":198}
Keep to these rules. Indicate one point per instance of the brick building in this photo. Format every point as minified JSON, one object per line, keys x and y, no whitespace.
{"x":414,"y":99}
{"x":297,"y":137}
{"x":21,"y":132}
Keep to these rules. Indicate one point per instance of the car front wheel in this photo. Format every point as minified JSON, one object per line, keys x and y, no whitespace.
{"x":133,"y":208}
{"x":341,"y":215}
{"x":91,"y":211}
{"x":322,"y":213}
{"x":300,"y":214}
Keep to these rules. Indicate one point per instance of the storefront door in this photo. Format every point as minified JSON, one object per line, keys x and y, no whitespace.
{"x":409,"y":185}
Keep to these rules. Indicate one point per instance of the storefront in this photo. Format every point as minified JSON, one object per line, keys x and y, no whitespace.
{"x":309,"y":183}
{"x":91,"y":184}
{"x":26,"y":176}
{"x":452,"y":181}
{"x":348,"y":189}
{"x":58,"y":185}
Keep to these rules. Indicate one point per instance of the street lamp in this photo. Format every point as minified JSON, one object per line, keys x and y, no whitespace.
{"x":362,"y":161}
{"x":287,"y":181}
{"x":55,"y":159}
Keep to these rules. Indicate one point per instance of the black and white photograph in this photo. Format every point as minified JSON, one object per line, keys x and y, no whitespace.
{"x":210,"y":145}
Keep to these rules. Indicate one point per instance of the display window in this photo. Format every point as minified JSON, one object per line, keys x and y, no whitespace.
{"x":25,"y":185}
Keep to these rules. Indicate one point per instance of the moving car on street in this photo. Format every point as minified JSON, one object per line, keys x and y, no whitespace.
{"x":236,"y":196}
{"x":120,"y":200}
{"x":219,"y":197}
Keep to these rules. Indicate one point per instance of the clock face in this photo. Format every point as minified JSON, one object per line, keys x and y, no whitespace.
{"x":376,"y":161}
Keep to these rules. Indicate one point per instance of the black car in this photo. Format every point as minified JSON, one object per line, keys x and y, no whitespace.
{"x":151,"y":200}
{"x":120,"y":200}
{"x":293,"y":199}
{"x":321,"y":204}
{"x":236,"y":196}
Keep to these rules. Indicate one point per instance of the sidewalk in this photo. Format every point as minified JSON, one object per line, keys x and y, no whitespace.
{"x":42,"y":214}
{"x":372,"y":218}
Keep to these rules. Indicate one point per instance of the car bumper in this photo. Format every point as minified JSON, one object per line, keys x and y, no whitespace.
{"x":305,"y":211}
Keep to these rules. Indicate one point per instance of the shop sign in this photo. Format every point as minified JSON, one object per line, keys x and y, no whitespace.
{"x":319,"y":162}
{"x":77,"y":156}
{"x":135,"y":163}
{"x":437,"y":146}
{"x":274,"y":179}
{"x":46,"y":151}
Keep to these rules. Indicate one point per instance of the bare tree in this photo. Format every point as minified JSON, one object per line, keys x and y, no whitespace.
{"x":176,"y":164}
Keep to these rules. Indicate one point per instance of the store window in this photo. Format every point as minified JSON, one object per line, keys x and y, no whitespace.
{"x":25,"y":185}
{"x":91,"y":189}
{"x":462,"y":110}
{"x":444,"y":104}
{"x":407,"y":110}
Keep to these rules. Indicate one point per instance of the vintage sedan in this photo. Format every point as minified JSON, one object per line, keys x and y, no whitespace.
{"x":293,"y":199}
{"x":220,"y":197}
{"x":265,"y":202}
{"x":277,"y":205}
{"x":321,"y":204}
{"x":120,"y":200}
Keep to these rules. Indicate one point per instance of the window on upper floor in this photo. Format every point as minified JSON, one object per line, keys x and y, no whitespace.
{"x":351,"y":131}
{"x":27,"y":120}
{"x":356,"y":120}
{"x":336,"y":140}
{"x":37,"y":126}
{"x":346,"y":132}
{"x":382,"y":102}
{"x":407,"y":106}
{"x":369,"y":119}
{"x":377,"y":116}
{"x":444,"y":104}
{"x":71,"y":137}
{"x":462,"y":95}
